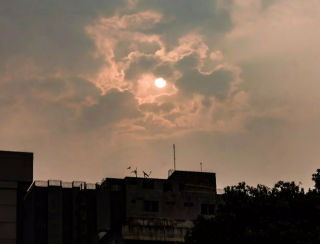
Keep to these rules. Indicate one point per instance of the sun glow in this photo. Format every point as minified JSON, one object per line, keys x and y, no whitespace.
{"x":160,"y":82}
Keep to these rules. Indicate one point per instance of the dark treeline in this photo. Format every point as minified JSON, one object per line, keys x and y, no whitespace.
{"x":282,"y":214}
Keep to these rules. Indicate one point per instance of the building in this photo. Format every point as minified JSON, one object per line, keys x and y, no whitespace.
{"x":144,"y":210}
{"x":16,"y":175}
{"x":60,"y":213}
{"x":127,"y":211}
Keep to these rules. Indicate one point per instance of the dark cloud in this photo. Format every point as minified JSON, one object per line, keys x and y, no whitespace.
{"x":142,"y":64}
{"x":191,"y":61}
{"x":157,"y":108}
{"x":183,"y":16}
{"x":164,"y":70}
{"x":267,"y":3}
{"x":125,"y":47}
{"x":52,"y":33}
{"x":81,"y":89}
{"x":112,"y":107}
{"x":173,"y":116}
{"x":265,"y":124}
{"x":216,"y":84}
{"x":54,"y":86}
{"x":206,"y":102}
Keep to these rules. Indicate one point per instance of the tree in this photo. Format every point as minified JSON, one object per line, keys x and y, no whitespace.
{"x":282,"y":214}
{"x":316,"y":179}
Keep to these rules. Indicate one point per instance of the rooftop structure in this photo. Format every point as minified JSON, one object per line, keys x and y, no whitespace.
{"x":60,"y":212}
{"x":145,"y":210}
{"x":16,"y":175}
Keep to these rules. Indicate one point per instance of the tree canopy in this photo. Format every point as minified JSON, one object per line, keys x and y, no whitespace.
{"x":282,"y":214}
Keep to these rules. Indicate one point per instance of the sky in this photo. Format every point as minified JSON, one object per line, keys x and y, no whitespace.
{"x":77,"y":88}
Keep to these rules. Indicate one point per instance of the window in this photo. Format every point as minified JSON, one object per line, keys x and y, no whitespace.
{"x":181,"y":187}
{"x":167,"y":187}
{"x":188,"y":204}
{"x":133,"y":182}
{"x":151,"y":206}
{"x":115,"y":188}
{"x":41,"y":226}
{"x":148,"y":185}
{"x":133,"y":201}
{"x":40,"y":204}
{"x":170,"y":203}
{"x":207,"y":209}
{"x":118,"y":207}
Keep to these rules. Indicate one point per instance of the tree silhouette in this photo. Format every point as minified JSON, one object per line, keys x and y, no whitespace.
{"x":316,"y":179}
{"x":282,"y":214}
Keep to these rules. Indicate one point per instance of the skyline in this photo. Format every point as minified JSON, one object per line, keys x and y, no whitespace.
{"x":77,"y":88}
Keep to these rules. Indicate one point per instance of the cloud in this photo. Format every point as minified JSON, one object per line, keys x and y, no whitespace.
{"x":184,"y":16}
{"x":216,"y":84}
{"x":157,"y":108}
{"x":241,"y":94}
{"x":112,"y":107}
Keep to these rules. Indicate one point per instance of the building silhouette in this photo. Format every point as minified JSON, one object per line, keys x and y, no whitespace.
{"x":129,"y":210}
{"x":60,"y":212}
{"x":144,"y":210}
{"x":16,"y":175}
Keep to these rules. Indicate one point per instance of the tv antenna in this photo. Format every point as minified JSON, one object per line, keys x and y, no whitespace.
{"x":134,"y":171}
{"x":174,"y":157}
{"x":146,"y":175}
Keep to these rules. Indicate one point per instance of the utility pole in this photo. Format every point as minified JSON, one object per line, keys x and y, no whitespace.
{"x":174,"y":156}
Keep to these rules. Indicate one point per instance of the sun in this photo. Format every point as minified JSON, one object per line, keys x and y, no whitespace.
{"x":160,"y":82}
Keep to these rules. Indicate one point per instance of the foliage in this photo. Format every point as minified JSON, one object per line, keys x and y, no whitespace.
{"x":282,"y":214}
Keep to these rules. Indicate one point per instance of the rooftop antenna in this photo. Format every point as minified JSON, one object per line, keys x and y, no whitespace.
{"x":174,"y":156}
{"x":201,"y":166}
{"x":146,"y":175}
{"x":134,"y":171}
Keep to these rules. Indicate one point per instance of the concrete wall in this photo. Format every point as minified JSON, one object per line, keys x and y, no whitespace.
{"x":194,"y":178}
{"x":16,"y":175}
{"x":8,"y":211}
{"x":29,"y":218}
{"x":179,"y":203}
{"x":55,"y":227}
{"x":16,"y":166}
{"x":179,"y":200}
{"x":171,"y":203}
{"x":52,"y":213}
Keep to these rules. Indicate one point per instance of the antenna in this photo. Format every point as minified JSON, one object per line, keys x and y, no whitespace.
{"x":136,"y":172}
{"x":174,"y":156}
{"x":201,"y":166}
{"x":146,"y":175}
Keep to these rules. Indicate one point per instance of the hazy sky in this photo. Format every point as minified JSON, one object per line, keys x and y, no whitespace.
{"x":77,"y":87}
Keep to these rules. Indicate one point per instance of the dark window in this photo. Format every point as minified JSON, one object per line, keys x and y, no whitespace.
{"x":181,"y":187}
{"x":118,"y":207}
{"x":115,"y":188}
{"x":40,"y":204}
{"x":133,"y":201}
{"x":170,"y":203}
{"x":148,"y":185}
{"x":167,"y":187}
{"x":188,"y":204}
{"x":41,"y":226}
{"x":207,"y":209}
{"x":133,"y":182}
{"x":151,"y":206}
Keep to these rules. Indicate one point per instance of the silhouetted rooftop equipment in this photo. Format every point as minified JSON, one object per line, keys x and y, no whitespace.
{"x":174,"y":156}
{"x":146,"y":175}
